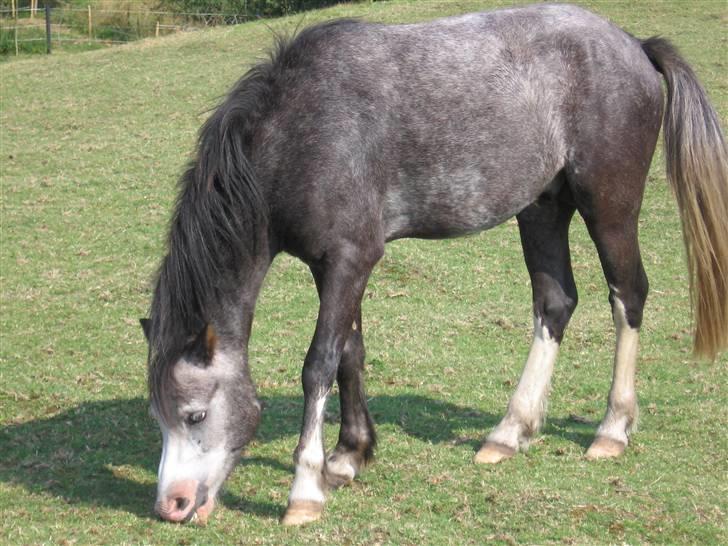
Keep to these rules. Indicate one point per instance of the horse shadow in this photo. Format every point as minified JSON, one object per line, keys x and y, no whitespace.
{"x":101,"y":453}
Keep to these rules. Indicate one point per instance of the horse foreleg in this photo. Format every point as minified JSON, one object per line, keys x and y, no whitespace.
{"x":357,"y":438}
{"x":341,"y":281}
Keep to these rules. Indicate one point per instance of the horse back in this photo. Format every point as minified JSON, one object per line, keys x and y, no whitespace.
{"x":447,"y":127}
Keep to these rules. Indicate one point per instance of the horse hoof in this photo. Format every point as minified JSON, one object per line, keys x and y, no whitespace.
{"x":340,"y":469}
{"x":334,"y":481}
{"x":605,"y":448}
{"x":302,"y":512}
{"x":492,"y":453}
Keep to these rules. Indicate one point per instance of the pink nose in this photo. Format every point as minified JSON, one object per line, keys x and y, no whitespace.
{"x":177,"y":503}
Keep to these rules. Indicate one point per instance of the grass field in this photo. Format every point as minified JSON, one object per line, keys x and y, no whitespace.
{"x":91,"y":146}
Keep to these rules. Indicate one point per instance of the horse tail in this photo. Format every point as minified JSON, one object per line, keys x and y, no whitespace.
{"x":697,"y":167}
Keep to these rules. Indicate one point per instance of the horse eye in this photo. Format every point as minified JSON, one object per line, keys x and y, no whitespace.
{"x":196,"y":418}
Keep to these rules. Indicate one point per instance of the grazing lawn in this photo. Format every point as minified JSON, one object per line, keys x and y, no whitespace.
{"x":91,"y":146}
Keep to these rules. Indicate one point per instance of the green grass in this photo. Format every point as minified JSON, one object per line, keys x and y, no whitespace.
{"x":91,"y":146}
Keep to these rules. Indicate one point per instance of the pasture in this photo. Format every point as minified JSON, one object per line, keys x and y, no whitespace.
{"x":91,"y":147}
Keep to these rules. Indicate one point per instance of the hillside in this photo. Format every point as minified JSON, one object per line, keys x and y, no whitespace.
{"x":91,"y":146}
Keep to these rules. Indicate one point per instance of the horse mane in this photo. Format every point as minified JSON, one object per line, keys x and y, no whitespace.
{"x":220,"y":209}
{"x":215,"y":228}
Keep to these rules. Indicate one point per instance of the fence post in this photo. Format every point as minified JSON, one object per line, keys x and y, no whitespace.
{"x":13,"y":10}
{"x":15,"y":26}
{"x":48,"y":28}
{"x":90,"y":25}
{"x":156,"y":32}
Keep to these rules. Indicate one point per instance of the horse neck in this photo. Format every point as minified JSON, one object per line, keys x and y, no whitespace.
{"x":243,"y":301}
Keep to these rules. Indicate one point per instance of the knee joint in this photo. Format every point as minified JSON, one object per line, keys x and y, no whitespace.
{"x":633,"y":300}
{"x":555,"y":310}
{"x":353,"y":354}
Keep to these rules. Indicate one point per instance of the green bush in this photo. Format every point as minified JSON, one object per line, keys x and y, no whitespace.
{"x":253,"y":8}
{"x":117,"y":20}
{"x":7,"y":41}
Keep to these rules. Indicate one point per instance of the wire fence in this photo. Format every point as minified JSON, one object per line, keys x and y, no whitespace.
{"x":37,"y":30}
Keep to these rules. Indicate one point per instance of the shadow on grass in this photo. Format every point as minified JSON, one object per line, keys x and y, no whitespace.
{"x":579,"y":432}
{"x":91,"y":454}
{"x":85,"y":455}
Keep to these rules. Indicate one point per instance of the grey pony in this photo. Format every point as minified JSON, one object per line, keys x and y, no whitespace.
{"x":354,"y":134}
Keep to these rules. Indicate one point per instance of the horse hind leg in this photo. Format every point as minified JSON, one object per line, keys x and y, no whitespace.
{"x":544,"y":229}
{"x":616,"y":241}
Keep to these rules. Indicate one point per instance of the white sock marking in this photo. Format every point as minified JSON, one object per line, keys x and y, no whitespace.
{"x":528,"y":404}
{"x":307,"y":484}
{"x":622,"y":407}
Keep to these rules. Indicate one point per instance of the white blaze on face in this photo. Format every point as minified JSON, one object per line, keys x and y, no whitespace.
{"x":184,"y":460}
{"x":195,"y":456}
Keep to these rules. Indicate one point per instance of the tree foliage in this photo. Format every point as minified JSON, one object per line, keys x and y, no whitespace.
{"x":253,"y":8}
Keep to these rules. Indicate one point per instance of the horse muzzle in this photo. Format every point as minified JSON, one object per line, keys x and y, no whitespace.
{"x":183,"y":500}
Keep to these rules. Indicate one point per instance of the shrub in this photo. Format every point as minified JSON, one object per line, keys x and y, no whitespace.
{"x":262,"y":8}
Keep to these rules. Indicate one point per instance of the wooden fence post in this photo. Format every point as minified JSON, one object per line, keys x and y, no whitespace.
{"x":90,"y":25}
{"x":156,"y":32}
{"x":48,"y":28}
{"x":15,"y":11}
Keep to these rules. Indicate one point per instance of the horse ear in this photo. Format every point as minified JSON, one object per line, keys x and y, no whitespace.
{"x":210,"y":340}
{"x":205,"y":344}
{"x":146,"y":325}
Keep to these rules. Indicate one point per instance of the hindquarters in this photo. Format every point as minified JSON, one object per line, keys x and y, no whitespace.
{"x":611,"y":144}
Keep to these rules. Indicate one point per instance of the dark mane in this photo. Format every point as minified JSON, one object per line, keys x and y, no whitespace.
{"x":220,"y":208}
{"x":215,"y":227}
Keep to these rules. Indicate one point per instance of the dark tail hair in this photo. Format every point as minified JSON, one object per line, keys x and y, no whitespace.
{"x":697,"y":167}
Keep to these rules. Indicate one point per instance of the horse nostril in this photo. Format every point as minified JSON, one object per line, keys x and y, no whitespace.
{"x":182,"y":502}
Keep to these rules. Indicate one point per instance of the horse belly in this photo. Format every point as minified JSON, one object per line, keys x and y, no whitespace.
{"x":459,"y":201}
{"x":476,"y":156}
